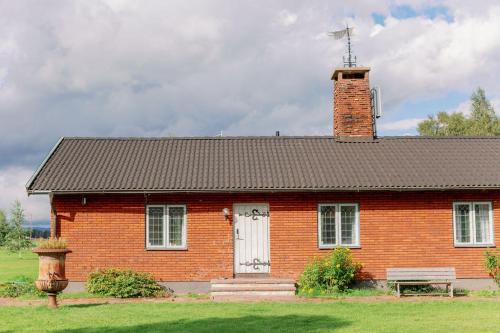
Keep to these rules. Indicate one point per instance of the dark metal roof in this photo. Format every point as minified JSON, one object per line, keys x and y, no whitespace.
{"x":268,"y":164}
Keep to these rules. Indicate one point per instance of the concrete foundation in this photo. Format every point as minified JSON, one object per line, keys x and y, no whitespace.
{"x":476,"y":284}
{"x":203,"y":287}
{"x":179,"y":287}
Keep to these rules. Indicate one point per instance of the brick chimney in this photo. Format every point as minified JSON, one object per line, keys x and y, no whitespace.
{"x":352,"y":114}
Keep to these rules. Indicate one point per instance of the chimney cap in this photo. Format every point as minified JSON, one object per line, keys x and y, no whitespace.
{"x":349,"y":70}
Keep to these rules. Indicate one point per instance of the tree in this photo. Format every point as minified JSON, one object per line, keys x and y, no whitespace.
{"x":17,"y":238}
{"x":4,"y":228}
{"x":482,"y":121}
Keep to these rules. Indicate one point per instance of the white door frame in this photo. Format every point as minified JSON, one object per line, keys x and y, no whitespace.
{"x":235,"y":264}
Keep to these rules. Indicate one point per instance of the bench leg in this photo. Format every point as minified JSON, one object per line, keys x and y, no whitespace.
{"x":398,"y":292}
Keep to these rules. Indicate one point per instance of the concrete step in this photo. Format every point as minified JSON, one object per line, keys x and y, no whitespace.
{"x":253,"y":281}
{"x":254,"y":287}
{"x":254,"y":298}
{"x":253,"y":293}
{"x":263,"y":288}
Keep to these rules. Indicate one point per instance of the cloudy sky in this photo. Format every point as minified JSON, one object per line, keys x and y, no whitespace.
{"x":196,"y":68}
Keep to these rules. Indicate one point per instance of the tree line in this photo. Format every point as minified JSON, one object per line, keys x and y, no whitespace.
{"x":13,"y":234}
{"x":482,"y":120}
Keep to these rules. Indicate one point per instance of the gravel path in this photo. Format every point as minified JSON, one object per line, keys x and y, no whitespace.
{"x":368,"y":299}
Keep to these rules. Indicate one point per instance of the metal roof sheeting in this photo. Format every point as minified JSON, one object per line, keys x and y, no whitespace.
{"x":268,"y":164}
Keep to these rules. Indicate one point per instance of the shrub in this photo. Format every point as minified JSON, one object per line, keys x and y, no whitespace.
{"x":492,"y":264}
{"x":124,"y":284}
{"x":21,"y":285}
{"x":334,"y":273}
{"x":312,"y":276}
{"x":51,"y":243}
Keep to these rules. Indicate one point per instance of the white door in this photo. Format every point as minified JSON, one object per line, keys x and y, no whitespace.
{"x":251,"y":238}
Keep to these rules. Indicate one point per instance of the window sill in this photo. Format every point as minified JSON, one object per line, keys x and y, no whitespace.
{"x":475,"y":245}
{"x":166,"y":249}
{"x":330,"y":247}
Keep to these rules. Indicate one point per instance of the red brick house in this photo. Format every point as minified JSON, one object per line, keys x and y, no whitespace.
{"x":193,"y":209}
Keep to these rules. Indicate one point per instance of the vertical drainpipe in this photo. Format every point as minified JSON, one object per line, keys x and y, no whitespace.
{"x":53,"y":217}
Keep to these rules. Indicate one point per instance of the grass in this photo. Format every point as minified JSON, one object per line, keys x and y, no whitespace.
{"x":12,"y":266}
{"x":484,"y":293}
{"x":51,"y":243}
{"x":195,"y":296}
{"x":430,"y":316}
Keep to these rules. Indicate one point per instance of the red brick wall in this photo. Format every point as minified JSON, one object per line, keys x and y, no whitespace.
{"x":352,"y":115}
{"x":397,"y":229}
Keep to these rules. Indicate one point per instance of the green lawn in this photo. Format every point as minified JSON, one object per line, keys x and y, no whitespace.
{"x":466,"y":315}
{"x":432,"y":316}
{"x":11,"y":265}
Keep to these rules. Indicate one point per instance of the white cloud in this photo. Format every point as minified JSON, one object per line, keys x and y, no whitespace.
{"x":377,"y":28}
{"x":12,"y":181}
{"x":286,"y":18}
{"x":401,"y":125}
{"x":496,"y":105}
{"x":421,"y":58}
{"x":463,"y":107}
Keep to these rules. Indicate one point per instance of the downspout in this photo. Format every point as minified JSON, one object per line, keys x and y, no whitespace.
{"x":53,"y":216}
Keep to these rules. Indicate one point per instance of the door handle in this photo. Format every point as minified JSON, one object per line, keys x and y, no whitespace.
{"x":238,"y":234}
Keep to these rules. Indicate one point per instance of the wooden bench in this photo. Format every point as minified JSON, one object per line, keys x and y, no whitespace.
{"x":422,"y":276}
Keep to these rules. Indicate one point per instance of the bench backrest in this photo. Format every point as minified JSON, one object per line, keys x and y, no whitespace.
{"x":421,"y":274}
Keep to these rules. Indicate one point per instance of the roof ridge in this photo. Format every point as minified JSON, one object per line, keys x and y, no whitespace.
{"x":464,"y":137}
{"x":200,"y":137}
{"x":282,"y":137}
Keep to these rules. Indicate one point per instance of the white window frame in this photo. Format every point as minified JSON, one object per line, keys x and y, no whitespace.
{"x":166,"y":235}
{"x":472,"y":224}
{"x":338,"y":226}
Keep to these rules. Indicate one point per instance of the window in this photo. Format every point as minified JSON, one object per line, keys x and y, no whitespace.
{"x":473,"y":223}
{"x":166,"y":227}
{"x":338,"y":224}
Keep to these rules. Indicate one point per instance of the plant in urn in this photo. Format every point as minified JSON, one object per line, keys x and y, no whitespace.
{"x":51,"y":272}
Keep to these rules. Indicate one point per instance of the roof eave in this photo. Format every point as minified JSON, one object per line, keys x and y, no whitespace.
{"x":266,"y":190}
{"x":33,"y":177}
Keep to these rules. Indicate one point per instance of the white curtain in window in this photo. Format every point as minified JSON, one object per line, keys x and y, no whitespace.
{"x":482,"y":222}
{"x":348,"y":224}
{"x":175,"y":225}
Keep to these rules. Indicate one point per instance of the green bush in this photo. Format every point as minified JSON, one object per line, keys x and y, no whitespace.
{"x":333,"y":273}
{"x":124,"y":284}
{"x":20,"y":286}
{"x":492,"y":264}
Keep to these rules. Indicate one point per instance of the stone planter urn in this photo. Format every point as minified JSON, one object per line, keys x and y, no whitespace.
{"x":51,"y":273}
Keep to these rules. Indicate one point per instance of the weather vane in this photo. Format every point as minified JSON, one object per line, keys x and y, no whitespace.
{"x":351,"y":60}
